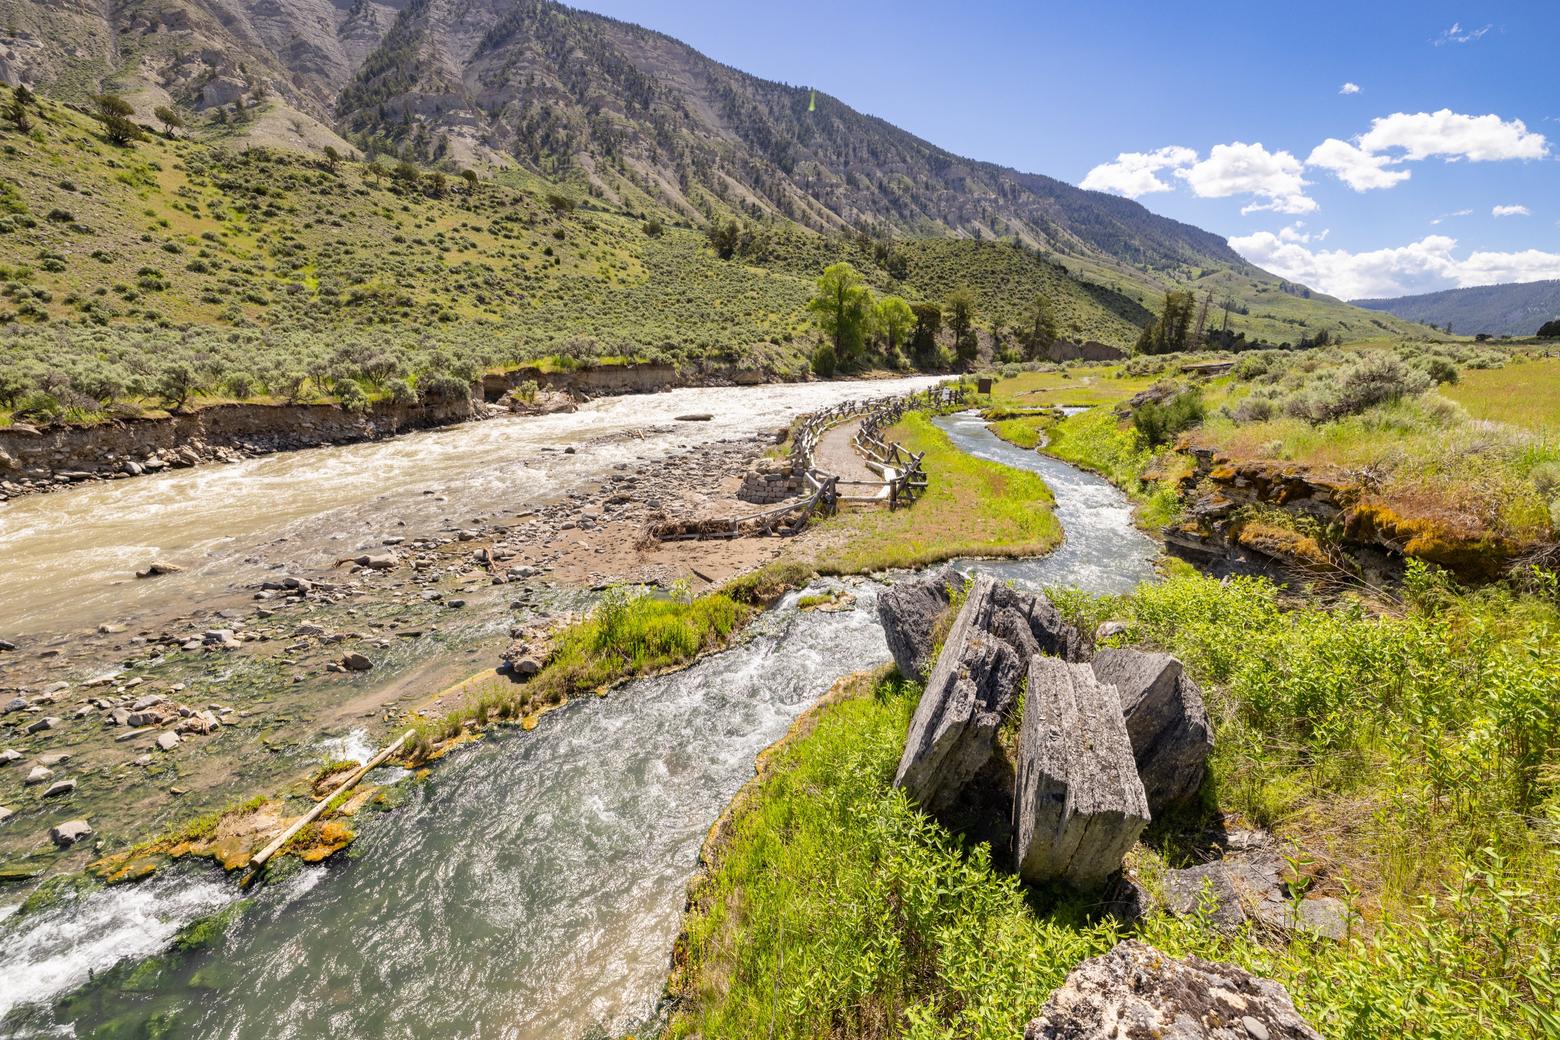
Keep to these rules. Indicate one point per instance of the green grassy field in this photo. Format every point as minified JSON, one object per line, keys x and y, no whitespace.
{"x":1524,"y":393}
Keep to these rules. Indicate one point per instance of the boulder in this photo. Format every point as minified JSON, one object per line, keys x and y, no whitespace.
{"x":1136,"y":991}
{"x":909,"y":612}
{"x":1165,"y":718}
{"x":953,"y":734}
{"x":376,"y":561}
{"x":355,"y":662}
{"x":70,"y":832}
{"x":1079,"y":805}
{"x":1251,"y":882}
{"x":157,"y":568}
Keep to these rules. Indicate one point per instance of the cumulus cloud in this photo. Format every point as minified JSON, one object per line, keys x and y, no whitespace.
{"x":1511,"y":211}
{"x":1354,"y":166}
{"x":1423,"y":266}
{"x":1349,"y":88}
{"x":1250,"y":169}
{"x":1457,"y":34}
{"x":1136,"y":173}
{"x":1454,"y":136}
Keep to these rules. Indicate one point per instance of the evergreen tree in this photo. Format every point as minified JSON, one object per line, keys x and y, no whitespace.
{"x":1170,"y":331}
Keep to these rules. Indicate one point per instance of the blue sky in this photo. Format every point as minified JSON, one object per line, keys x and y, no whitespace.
{"x":1468,"y":95}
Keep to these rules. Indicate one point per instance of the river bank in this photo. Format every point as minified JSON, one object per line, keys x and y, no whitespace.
{"x":37,"y":460}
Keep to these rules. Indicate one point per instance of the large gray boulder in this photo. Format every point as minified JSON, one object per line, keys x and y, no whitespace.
{"x":1250,"y":882}
{"x":909,"y":612}
{"x":1079,"y":805}
{"x":1137,"y":991}
{"x":953,"y":734}
{"x":1165,"y":718}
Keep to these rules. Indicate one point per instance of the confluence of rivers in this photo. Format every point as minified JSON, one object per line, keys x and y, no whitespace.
{"x":533,"y":885}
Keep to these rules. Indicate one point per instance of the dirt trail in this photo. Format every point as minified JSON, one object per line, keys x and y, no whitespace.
{"x":835,"y":454}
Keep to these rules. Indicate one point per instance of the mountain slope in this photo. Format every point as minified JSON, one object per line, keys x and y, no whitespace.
{"x":1499,"y":310}
{"x":632,"y":117}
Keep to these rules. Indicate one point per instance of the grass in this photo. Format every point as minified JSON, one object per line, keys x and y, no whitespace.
{"x":1418,"y":755}
{"x":971,"y":508}
{"x":1525,"y":393}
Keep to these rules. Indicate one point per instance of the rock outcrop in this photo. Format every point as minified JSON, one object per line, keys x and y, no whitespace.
{"x":1165,"y":719}
{"x":1137,"y":991}
{"x":953,"y":734}
{"x":1079,"y":805}
{"x":909,"y":612}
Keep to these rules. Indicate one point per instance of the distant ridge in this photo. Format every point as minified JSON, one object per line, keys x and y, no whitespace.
{"x":1516,"y":309}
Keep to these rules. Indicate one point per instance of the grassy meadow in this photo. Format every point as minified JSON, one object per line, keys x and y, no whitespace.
{"x":1413,"y":756}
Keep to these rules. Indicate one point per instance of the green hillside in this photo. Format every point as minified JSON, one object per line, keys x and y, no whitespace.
{"x":1519,"y":309}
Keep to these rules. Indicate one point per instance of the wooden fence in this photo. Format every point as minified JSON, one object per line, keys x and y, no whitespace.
{"x":825,"y":491}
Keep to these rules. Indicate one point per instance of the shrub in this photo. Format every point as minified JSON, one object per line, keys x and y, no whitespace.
{"x":352,"y":397}
{"x":439,"y":385}
{"x":38,"y":406}
{"x":240,"y":384}
{"x":824,"y":363}
{"x":1158,"y":423}
{"x":401,"y":391}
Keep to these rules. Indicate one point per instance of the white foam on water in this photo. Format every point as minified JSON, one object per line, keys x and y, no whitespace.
{"x":353,"y":747}
{"x":49,"y":953}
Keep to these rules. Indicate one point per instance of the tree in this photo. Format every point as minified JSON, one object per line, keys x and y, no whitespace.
{"x":1169,"y":332}
{"x":176,"y":384}
{"x":406,"y":174}
{"x":169,"y":118}
{"x":470,"y":177}
{"x":725,"y":237}
{"x":560,"y":204}
{"x":16,"y":112}
{"x":959,"y":308}
{"x":332,"y":158}
{"x":841,"y":307}
{"x":376,"y":170}
{"x":1039,"y":327}
{"x":1550,"y":330}
{"x":892,"y":319}
{"x":923,"y":339}
{"x":114,"y":112}
{"x":433,"y":185}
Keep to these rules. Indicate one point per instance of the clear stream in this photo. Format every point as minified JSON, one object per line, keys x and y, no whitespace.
{"x":532,"y":887}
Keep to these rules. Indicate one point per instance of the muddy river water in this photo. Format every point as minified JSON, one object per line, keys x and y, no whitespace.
{"x":532,"y":886}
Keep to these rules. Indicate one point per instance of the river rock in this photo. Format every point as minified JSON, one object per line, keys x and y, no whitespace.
{"x":1166,"y":720}
{"x":6,"y":814}
{"x":6,"y":644}
{"x":909,"y":613}
{"x":37,"y":775}
{"x":39,"y":725}
{"x":68,"y":833}
{"x":60,"y":787}
{"x":1137,"y":991}
{"x":10,"y":755}
{"x":970,"y":691}
{"x":355,"y":662}
{"x":168,"y":741}
{"x":158,"y":568}
{"x":1079,"y":805}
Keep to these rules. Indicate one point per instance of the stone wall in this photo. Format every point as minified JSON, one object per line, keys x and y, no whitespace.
{"x":769,"y":480}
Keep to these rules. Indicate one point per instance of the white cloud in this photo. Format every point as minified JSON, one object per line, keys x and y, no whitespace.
{"x":1293,"y":233}
{"x":1457,"y":34}
{"x":1136,"y":173}
{"x":1354,"y":166}
{"x":1423,"y":266}
{"x":1456,"y":213}
{"x":1453,"y":135}
{"x":1349,"y":88}
{"x":1250,"y":169}
{"x":1511,"y":211}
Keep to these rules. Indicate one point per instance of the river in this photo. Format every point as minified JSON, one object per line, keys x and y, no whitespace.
{"x":532,"y":886}
{"x":70,"y":555}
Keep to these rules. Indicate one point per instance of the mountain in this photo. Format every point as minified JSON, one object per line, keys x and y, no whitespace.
{"x":631,"y":117}
{"x":1499,"y":310}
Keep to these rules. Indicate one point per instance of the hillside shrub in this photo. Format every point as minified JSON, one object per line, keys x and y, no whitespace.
{"x":1158,"y":423}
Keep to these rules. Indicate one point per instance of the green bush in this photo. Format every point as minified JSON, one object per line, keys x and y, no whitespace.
{"x":1158,"y":423}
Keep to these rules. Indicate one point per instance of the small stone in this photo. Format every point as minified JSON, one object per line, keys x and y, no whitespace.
{"x":5,"y":814}
{"x":1254,"y":1029}
{"x":70,"y":832}
{"x":37,"y":776}
{"x":157,"y":568}
{"x":168,"y":741}
{"x":60,"y":787}
{"x":6,"y":644}
{"x":10,"y":755}
{"x":39,"y":725}
{"x":1109,"y":629}
{"x":53,"y":759}
{"x":355,"y":662}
